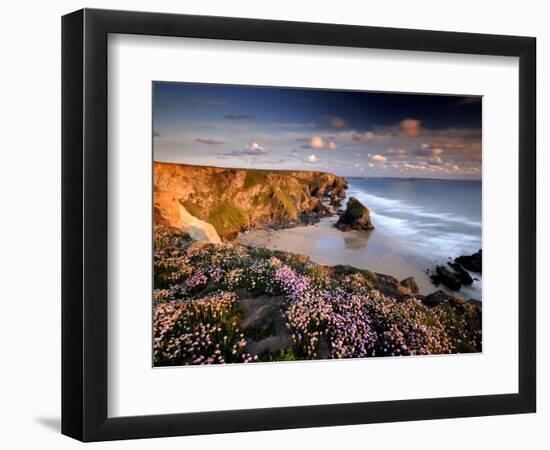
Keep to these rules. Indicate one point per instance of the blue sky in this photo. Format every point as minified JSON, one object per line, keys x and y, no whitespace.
{"x":350,"y":133}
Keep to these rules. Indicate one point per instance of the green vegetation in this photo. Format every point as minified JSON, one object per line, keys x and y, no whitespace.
{"x":201,"y":290}
{"x":226,"y":218}
{"x":191,"y":208}
{"x":285,"y":354}
{"x":369,"y":276}
{"x":254,"y":177}
{"x":285,"y":201}
{"x":355,"y":208}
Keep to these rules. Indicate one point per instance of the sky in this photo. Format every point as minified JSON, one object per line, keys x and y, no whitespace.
{"x":349,"y":133}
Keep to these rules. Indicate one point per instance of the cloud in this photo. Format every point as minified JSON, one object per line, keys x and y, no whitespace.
{"x":410,"y":127}
{"x":396,"y":151}
{"x":318,"y":143}
{"x":312,"y":159}
{"x":335,"y":122}
{"x":429,"y":150}
{"x":253,"y":149}
{"x":208,"y":141}
{"x":238,"y":116}
{"x":363,"y":137}
{"x":378,"y":158}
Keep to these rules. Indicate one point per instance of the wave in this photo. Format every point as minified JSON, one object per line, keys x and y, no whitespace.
{"x":443,"y":235}
{"x":390,"y":205}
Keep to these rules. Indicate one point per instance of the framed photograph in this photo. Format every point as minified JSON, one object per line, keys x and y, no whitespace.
{"x":273,"y":225}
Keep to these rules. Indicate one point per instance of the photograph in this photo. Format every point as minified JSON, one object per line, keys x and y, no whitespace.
{"x":311,"y":224}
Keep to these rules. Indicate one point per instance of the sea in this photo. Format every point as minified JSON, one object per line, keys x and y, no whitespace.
{"x":436,"y":218}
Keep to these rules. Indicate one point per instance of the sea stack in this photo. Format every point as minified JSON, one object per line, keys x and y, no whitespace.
{"x":355,"y":217}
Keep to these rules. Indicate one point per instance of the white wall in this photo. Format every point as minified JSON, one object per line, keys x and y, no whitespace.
{"x":30,"y":236}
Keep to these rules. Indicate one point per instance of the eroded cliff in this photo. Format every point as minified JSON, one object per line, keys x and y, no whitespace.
{"x":212,"y":202}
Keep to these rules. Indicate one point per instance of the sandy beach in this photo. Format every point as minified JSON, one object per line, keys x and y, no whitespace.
{"x":373,"y":250}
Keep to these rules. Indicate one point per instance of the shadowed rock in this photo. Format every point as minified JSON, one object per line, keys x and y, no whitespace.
{"x":447,"y":277}
{"x":465,"y":277}
{"x":435,"y":298}
{"x":471,"y":262}
{"x":410,"y":284}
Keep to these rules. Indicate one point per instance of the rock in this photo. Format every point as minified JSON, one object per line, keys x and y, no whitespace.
{"x":465,"y":277}
{"x":474,"y":301}
{"x":264,"y":324}
{"x":410,"y":284}
{"x":448,"y":278}
{"x":471,"y":262}
{"x":197,"y":229}
{"x":435,"y":298}
{"x":234,"y":200}
{"x":355,"y":217}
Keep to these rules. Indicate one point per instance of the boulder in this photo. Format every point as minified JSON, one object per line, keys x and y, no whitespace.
{"x":435,"y":298}
{"x":410,"y":284}
{"x":355,"y":217}
{"x":465,"y":277}
{"x":447,"y":277}
{"x":471,"y":262}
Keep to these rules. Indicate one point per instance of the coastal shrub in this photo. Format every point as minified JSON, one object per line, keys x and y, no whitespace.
{"x":330,"y":312}
{"x":199,"y":331}
{"x":463,"y":324}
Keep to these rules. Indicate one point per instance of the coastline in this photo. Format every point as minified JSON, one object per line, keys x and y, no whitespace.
{"x":371,"y":250}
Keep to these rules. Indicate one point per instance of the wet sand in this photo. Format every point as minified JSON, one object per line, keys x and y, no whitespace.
{"x":372,"y":250}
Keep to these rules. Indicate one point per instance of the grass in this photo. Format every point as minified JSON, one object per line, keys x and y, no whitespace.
{"x":285,"y":201}
{"x":226,"y":218}
{"x":191,"y":208}
{"x":285,"y":354}
{"x":254,"y":177}
{"x":342,"y":269}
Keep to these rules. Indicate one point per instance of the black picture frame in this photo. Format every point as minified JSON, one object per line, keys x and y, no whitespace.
{"x":84,"y":224}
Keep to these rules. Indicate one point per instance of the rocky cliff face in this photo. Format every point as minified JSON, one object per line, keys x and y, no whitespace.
{"x":213,"y":202}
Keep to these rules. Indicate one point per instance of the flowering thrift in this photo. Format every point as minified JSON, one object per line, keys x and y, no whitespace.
{"x":329,"y":312}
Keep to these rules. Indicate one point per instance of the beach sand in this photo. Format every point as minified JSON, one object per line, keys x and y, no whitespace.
{"x":372,"y":250}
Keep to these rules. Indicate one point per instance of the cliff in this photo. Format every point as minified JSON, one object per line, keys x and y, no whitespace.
{"x":213,"y":202}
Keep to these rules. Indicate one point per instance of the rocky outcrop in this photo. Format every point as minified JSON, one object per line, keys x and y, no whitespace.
{"x":447,"y":277}
{"x":212,"y":202}
{"x":355,"y":217}
{"x":471,"y":262}
{"x":465,"y":278}
{"x":455,"y":274}
{"x":410,"y":284}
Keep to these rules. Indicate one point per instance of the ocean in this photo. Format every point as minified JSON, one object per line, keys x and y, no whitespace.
{"x":434,"y":218}
{"x":418,"y":223}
